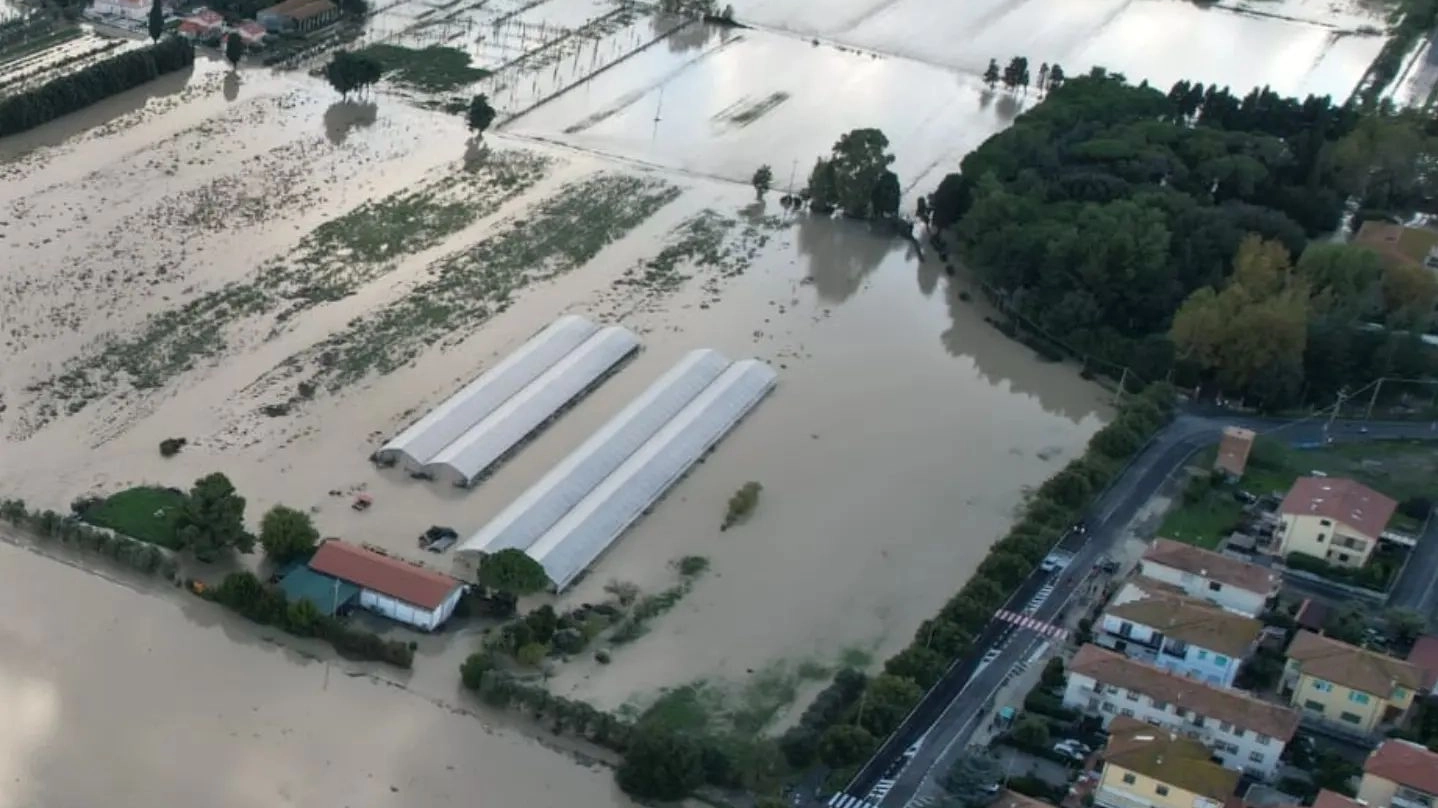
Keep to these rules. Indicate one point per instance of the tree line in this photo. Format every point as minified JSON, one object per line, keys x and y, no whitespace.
{"x":1015,"y":75}
{"x":845,"y":725}
{"x":65,"y":94}
{"x":1109,"y":207}
{"x":69,"y":530}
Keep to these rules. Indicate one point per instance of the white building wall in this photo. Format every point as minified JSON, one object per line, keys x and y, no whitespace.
{"x":122,"y":8}
{"x":1226,"y":596}
{"x":1237,"y":748}
{"x":408,"y":613}
{"x":1196,"y":663}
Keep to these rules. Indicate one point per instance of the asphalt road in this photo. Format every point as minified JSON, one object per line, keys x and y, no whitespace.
{"x":949,"y":713}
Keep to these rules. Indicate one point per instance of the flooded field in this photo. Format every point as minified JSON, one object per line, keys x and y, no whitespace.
{"x":1294,"y":46}
{"x":130,"y":699}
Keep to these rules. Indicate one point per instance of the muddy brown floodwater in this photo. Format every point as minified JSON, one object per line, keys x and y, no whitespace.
{"x":114,"y":697}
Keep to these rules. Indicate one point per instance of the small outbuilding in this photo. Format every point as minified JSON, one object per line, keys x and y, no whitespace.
{"x":298,"y":15}
{"x":390,"y":587}
{"x":1233,"y":450}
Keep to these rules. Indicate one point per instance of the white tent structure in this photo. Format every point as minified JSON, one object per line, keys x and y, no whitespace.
{"x":527,"y":518}
{"x":421,"y":441}
{"x":486,"y":443}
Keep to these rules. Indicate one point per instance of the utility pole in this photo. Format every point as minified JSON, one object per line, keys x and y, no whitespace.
{"x":1337,"y":405}
{"x":1122,"y":380}
{"x":1373,"y":399}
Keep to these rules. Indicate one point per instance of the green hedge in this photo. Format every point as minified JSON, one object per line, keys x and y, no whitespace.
{"x":1374,"y":575}
{"x":74,"y":91}
{"x":1055,"y":506}
{"x":68,"y":530}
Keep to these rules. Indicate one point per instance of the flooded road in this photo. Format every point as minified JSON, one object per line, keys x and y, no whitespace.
{"x":120,"y":698}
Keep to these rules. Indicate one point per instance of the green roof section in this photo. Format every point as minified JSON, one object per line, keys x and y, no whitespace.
{"x":323,"y":591}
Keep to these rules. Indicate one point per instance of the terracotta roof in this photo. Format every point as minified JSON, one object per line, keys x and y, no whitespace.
{"x":1193,"y":622}
{"x":1396,"y":243}
{"x":1425,"y":656}
{"x":301,"y":9}
{"x":1332,"y":799}
{"x":1214,"y":703}
{"x":1342,"y":500}
{"x":1168,"y":758}
{"x":389,"y":576}
{"x":1013,"y":799}
{"x":1404,"y":763}
{"x":1234,"y":448}
{"x":1211,"y":565}
{"x":1352,"y":667}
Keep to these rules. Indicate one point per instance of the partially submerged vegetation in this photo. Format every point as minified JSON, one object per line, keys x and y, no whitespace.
{"x":743,"y":503}
{"x":69,"y":530}
{"x":433,"y":69}
{"x":148,"y":513}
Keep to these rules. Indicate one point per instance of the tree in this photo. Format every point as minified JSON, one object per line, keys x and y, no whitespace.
{"x":844,"y":745}
{"x":156,"y":20}
{"x":1405,"y":624}
{"x":660,"y":764}
{"x":234,"y":50}
{"x":887,"y":195}
{"x":1346,"y":624}
{"x":972,"y":779}
{"x":1053,"y":675}
{"x":763,"y":177}
{"x":287,"y":534}
{"x":348,"y":72}
{"x":924,"y":665}
{"x":1043,"y":76}
{"x":1409,"y":291}
{"x":991,"y":73}
{"x":1056,"y":77}
{"x":1032,"y":731}
{"x":512,"y":571}
{"x":475,"y":667}
{"x":303,"y":618}
{"x":886,"y":701}
{"x":859,"y":160}
{"x":213,"y":519}
{"x":480,"y":114}
{"x":823,"y":187}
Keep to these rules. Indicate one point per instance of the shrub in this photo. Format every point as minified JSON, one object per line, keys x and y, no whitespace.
{"x":169,"y":447}
{"x":742,"y":504}
{"x":532,"y":654}
{"x":689,"y":566}
{"x":1416,"y":508}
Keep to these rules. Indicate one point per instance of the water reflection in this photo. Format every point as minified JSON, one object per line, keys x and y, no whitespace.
{"x":232,"y":85}
{"x":841,"y":254}
{"x":692,"y":36}
{"x":343,"y":116}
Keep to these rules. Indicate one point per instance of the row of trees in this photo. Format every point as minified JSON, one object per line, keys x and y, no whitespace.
{"x":68,"y":530}
{"x":1015,"y":75}
{"x":62,"y":95}
{"x":1108,"y":206}
{"x":349,"y":72}
{"x":848,"y":721}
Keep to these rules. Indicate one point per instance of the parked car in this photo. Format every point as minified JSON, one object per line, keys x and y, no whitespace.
{"x":1072,"y":749}
{"x":1054,"y":562}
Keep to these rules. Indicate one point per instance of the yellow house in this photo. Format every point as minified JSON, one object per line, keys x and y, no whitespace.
{"x":1348,"y":687}
{"x":1399,"y":774}
{"x":1149,"y":767}
{"x":1332,"y":518}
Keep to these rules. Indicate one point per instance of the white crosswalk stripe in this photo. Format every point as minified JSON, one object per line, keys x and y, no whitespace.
{"x":1033,"y":624}
{"x":842,"y":800}
{"x":919,"y":802}
{"x":880,"y":790}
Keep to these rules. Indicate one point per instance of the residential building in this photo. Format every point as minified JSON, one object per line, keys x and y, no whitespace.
{"x":1399,"y":245}
{"x":1013,"y":799}
{"x":1241,"y":731}
{"x":1235,"y":585}
{"x":1399,"y":774}
{"x":396,"y":589}
{"x":1148,"y":767}
{"x":1424,"y":656}
{"x":1332,"y":518}
{"x":1155,"y":623}
{"x":298,"y":15}
{"x":252,"y":34}
{"x":1332,"y":799}
{"x":1345,"y":686}
{"x":137,"y":10}
{"x":1233,"y":450}
{"x":202,"y":24}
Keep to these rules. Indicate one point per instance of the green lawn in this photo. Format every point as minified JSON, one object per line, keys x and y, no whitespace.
{"x":1204,"y":523}
{"x":434,"y":69}
{"x":146,"y":513}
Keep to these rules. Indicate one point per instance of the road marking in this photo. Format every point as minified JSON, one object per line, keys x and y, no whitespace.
{"x":842,"y":800}
{"x":1032,"y":624}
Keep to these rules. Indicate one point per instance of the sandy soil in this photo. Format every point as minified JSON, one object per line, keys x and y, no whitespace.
{"x":125,"y":698}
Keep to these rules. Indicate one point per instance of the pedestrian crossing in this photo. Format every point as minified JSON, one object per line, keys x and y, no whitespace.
{"x":1038,"y":599}
{"x":921,"y":802}
{"x":1032,"y":624}
{"x":880,"y":790}
{"x":842,"y":800}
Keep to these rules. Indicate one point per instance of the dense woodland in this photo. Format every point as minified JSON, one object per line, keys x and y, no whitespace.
{"x":65,"y":94}
{"x":1189,"y":234}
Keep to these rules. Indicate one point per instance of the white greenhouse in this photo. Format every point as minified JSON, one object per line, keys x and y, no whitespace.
{"x":427,"y":437}
{"x":593,"y":524}
{"x":489,"y":441}
{"x":527,"y":518}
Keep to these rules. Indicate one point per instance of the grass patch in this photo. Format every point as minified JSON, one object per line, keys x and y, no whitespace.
{"x":1204,"y":523}
{"x":434,"y":69}
{"x":146,"y":513}
{"x":707,"y":239}
{"x":466,"y":288}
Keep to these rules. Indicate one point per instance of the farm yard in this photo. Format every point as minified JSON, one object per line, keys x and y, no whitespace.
{"x":286,"y":279}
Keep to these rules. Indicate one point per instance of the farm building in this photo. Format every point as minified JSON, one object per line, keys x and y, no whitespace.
{"x":521,"y":524}
{"x":580,"y":508}
{"x":386,"y":586}
{"x":129,"y":9}
{"x":424,"y":439}
{"x":486,"y":443}
{"x":298,"y":15}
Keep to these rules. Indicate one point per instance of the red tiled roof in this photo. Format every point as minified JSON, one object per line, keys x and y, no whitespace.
{"x":1332,"y":799}
{"x":389,"y":576}
{"x":1354,"y":668}
{"x":1425,"y":656}
{"x":1406,"y":764}
{"x":1211,"y":565}
{"x":1342,"y":500}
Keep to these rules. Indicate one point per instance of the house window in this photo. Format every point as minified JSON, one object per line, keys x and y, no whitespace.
{"x":1399,"y":693}
{"x":1357,"y":698}
{"x":1220,"y":659}
{"x":1130,"y":695}
{"x":1108,"y":707}
{"x":1343,"y":557}
{"x":1307,"y":705}
{"x":1202,"y":654}
{"x":1322,"y":686}
{"x":1224,"y":726}
{"x":1125,"y":629}
{"x":1238,"y":732}
{"x":1161,"y":706}
{"x":1256,"y":757}
{"x":1126,"y":711}
{"x":1162,"y":791}
{"x":1215,"y":586}
{"x":1325,"y":522}
{"x":1129,"y":779}
{"x":1319,"y":538}
{"x":1261,"y":739}
{"x":1351,"y":718}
